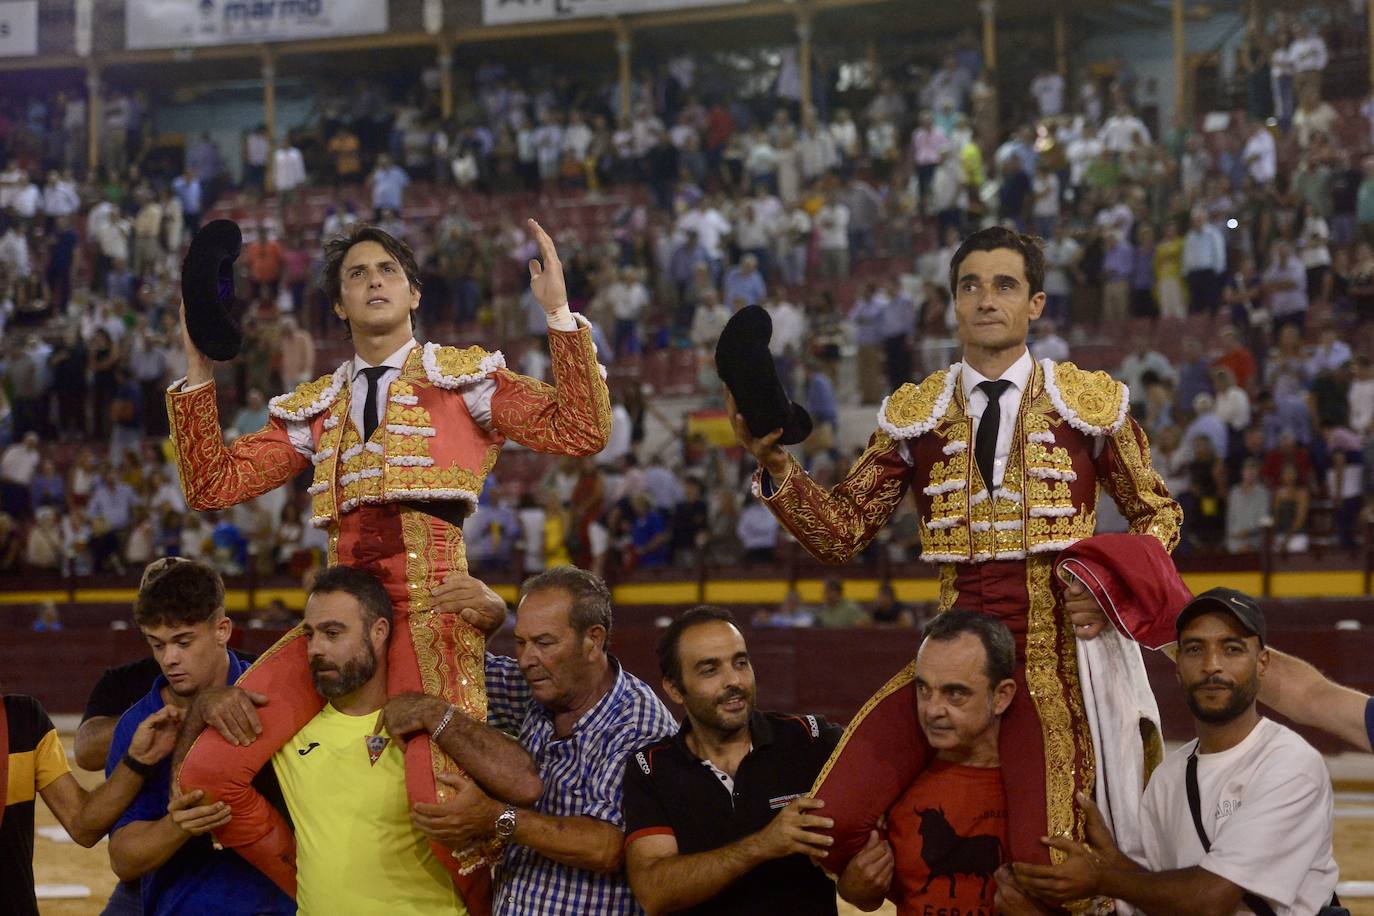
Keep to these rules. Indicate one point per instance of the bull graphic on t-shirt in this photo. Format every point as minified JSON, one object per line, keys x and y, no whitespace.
{"x":948,"y":855}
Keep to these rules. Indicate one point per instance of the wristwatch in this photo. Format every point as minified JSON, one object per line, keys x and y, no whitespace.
{"x":505,"y":823}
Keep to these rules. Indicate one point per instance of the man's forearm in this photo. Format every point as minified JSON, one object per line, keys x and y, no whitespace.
{"x":581,"y":841}
{"x":142,"y":846}
{"x":93,"y":741}
{"x":494,"y":760}
{"x":103,"y":806}
{"x":191,"y":727}
{"x":1183,"y":892}
{"x":677,"y":882}
{"x":1294,"y":688}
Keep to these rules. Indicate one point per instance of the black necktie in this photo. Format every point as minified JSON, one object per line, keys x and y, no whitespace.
{"x":985,"y":449}
{"x":374,"y":375}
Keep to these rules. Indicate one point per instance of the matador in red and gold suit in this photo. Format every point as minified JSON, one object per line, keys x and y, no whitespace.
{"x":995,"y":543}
{"x":388,"y":504}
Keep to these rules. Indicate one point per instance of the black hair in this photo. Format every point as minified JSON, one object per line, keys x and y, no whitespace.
{"x":669,"y":662}
{"x":184,"y":593}
{"x":994,"y":238}
{"x":363,"y":586}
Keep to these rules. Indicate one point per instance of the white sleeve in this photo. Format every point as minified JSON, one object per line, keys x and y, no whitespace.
{"x":477,"y":397}
{"x":1280,"y":831}
{"x":298,"y":432}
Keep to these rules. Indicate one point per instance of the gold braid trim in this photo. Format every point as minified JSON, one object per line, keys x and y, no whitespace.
{"x":834,"y":525}
{"x":897,"y":682}
{"x":1052,"y":675}
{"x":1139,"y":490}
{"x":1043,"y":661}
{"x":445,"y":647}
{"x":949,"y":591}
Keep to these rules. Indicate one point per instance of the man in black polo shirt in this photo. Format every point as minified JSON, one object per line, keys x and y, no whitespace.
{"x":716,"y":818}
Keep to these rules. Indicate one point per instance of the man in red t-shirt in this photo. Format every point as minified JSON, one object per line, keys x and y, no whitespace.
{"x":946,"y":835}
{"x":264,"y":258}
{"x":1236,"y":357}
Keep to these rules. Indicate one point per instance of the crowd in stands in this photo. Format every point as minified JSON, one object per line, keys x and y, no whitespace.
{"x":1233,"y":258}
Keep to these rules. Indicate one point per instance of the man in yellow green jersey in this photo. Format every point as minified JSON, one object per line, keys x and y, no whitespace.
{"x":343,"y":774}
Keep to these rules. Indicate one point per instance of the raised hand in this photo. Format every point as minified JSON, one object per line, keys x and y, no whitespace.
{"x":771,"y":456}
{"x":199,"y":368}
{"x":156,"y":736}
{"x":546,"y":279}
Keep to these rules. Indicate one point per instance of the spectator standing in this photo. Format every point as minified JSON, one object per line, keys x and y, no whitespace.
{"x":18,"y":465}
{"x":1204,"y":263}
{"x":188,"y":189}
{"x":147,"y":228}
{"x":388,"y":182}
{"x":1118,"y":267}
{"x":1261,"y":155}
{"x":868,"y":316}
{"x":288,"y":173}
{"x":1062,"y":253}
{"x":1308,"y":58}
{"x":832,"y":226}
{"x":257,"y":147}
{"x":1247,"y":510}
{"x":1285,"y":282}
{"x":929,"y":145}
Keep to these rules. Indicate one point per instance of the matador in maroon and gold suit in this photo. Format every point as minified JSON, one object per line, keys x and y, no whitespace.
{"x":995,"y":552}
{"x":388,"y":506}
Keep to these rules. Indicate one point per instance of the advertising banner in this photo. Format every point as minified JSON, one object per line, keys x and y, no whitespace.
{"x":19,"y":28}
{"x":506,"y":12}
{"x":196,"y":23}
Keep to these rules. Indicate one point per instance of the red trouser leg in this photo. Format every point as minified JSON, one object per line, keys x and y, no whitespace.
{"x":1022,"y":746}
{"x":258,"y":832}
{"x":403,"y":674}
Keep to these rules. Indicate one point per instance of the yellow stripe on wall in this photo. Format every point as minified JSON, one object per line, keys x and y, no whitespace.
{"x":1305,"y":584}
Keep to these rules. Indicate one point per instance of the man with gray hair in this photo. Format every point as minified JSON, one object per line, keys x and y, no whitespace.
{"x":579,"y":714}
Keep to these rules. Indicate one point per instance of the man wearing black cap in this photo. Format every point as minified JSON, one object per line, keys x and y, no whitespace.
{"x":1238,"y":821}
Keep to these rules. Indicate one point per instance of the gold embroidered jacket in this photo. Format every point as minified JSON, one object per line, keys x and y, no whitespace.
{"x":427,"y":445}
{"x":1073,"y":434}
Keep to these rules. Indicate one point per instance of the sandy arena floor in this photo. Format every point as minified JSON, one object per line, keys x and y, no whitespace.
{"x":58,"y":863}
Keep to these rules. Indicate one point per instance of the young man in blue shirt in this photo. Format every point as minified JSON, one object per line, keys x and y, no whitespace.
{"x":167,"y":843}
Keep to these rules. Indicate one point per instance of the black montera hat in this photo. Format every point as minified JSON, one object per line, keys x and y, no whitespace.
{"x":746,"y":367}
{"x":207,"y":289}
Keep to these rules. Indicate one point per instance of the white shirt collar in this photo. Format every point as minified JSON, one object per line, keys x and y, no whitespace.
{"x":396,"y":360}
{"x":1019,"y":374}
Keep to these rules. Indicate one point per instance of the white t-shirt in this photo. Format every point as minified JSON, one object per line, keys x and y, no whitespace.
{"x":1048,"y":89}
{"x":1267,"y":809}
{"x":833,"y":221}
{"x":709,"y":226}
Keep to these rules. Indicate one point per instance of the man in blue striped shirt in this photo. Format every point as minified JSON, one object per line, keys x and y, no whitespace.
{"x":579,"y":714}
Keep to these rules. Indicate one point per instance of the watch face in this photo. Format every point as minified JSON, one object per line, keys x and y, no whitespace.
{"x":505,"y":824}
